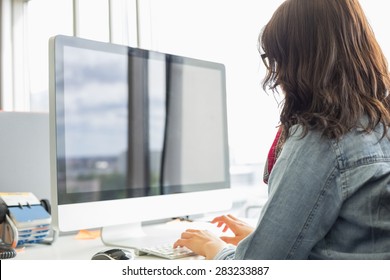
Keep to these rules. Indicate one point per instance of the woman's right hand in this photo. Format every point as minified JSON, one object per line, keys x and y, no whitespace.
{"x":238,"y":227}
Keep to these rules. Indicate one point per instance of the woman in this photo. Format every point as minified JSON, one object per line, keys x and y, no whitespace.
{"x":329,"y":190}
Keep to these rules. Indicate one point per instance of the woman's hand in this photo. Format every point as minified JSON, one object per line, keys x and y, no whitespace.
{"x":202,"y":242}
{"x":238,"y":227}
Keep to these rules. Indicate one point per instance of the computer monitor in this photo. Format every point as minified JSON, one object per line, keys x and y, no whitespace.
{"x":135,"y":135}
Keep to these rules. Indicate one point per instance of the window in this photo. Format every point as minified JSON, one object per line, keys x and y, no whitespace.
{"x":46,"y":18}
{"x":101,"y":20}
{"x":26,"y":28}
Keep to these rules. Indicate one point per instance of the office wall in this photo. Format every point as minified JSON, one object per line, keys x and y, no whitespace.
{"x":24,"y":153}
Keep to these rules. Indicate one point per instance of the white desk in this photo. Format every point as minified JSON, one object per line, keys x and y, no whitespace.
{"x":68,"y":247}
{"x":65,"y":248}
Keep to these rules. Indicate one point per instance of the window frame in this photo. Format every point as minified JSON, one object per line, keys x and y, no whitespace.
{"x":14,"y":73}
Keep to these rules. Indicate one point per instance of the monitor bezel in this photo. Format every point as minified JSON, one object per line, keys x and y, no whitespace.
{"x":64,"y":202}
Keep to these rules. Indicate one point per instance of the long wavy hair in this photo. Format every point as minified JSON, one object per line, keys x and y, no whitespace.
{"x":324,"y":56}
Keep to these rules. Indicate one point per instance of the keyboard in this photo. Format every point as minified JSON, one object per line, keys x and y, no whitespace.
{"x":167,"y":251}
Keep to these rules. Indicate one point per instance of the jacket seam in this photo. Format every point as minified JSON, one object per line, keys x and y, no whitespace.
{"x":312,"y":214}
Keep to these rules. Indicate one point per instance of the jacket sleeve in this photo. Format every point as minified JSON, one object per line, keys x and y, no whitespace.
{"x":226,"y":253}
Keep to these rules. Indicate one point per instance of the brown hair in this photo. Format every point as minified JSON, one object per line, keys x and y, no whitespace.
{"x":324,"y":56}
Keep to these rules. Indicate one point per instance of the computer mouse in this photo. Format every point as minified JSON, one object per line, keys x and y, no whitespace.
{"x":113,"y":254}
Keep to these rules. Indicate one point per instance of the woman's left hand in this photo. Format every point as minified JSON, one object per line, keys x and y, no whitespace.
{"x":202,"y":242}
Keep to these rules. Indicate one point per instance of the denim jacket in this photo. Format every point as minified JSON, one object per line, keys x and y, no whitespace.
{"x":328,"y":199}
